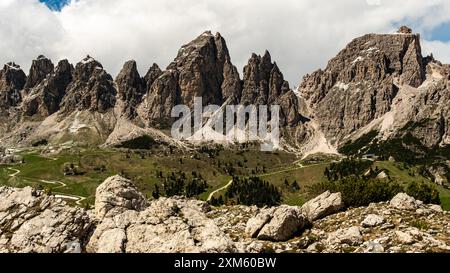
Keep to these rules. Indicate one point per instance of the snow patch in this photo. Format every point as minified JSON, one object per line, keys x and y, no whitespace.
{"x":13,"y":67}
{"x":87,"y":60}
{"x":342,"y":85}
{"x":359,"y":59}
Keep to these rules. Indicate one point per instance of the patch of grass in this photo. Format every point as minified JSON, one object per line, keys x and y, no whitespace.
{"x":419,"y":224}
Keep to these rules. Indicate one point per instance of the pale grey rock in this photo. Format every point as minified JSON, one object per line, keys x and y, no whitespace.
{"x":436,"y":208}
{"x":351,"y":236}
{"x":32,"y":222}
{"x":255,"y":224}
{"x":285,"y":223}
{"x":117,"y":194}
{"x":405,"y":237}
{"x":403,"y":201}
{"x":323,"y":205}
{"x":373,"y":220}
{"x":168,"y":225}
{"x":371,"y":247}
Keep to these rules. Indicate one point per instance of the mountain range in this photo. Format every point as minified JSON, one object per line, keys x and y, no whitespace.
{"x":378,"y":92}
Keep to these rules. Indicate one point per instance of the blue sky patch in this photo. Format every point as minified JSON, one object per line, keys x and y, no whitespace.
{"x":55,"y":4}
{"x":441,"y":33}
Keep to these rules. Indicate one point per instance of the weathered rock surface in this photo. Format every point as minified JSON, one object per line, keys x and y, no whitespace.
{"x":46,"y":94}
{"x":202,"y":68}
{"x":360,"y":83}
{"x":92,"y":88}
{"x":255,"y":224}
{"x":263,"y":81}
{"x":124,"y":222}
{"x":31,"y":222}
{"x":342,"y":232}
{"x":323,"y":205}
{"x":12,"y":80}
{"x":40,"y":69}
{"x":404,"y":201}
{"x":283,"y":225}
{"x":131,"y":88}
{"x":373,"y":220}
{"x":167,"y":225}
{"x":117,"y":195}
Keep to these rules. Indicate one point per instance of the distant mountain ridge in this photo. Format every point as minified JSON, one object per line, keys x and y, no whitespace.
{"x":379,"y":83}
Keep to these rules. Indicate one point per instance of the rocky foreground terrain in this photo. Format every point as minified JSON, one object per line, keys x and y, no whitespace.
{"x":124,"y":221}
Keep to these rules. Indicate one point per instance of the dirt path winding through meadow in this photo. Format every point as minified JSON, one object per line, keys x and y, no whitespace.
{"x":78,"y":199}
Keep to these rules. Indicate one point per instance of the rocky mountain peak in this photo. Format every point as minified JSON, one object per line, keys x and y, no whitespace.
{"x":152,"y":74}
{"x":92,"y":88}
{"x":40,"y":68}
{"x":263,"y":81}
{"x":45,"y":98}
{"x":360,"y":83}
{"x":404,"y":30}
{"x":131,"y":88}
{"x":202,"y":68}
{"x":12,"y":80}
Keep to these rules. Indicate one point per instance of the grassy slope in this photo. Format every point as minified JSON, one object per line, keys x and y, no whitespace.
{"x":278,"y":167}
{"x":397,"y":172}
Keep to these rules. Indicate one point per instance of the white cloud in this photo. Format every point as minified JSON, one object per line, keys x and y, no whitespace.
{"x":440,"y":50}
{"x":302,"y":35}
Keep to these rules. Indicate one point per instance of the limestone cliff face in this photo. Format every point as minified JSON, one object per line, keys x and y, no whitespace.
{"x":202,"y":68}
{"x":377,"y":82}
{"x":364,"y":84}
{"x":131,"y":88}
{"x":263,"y":81}
{"x":12,"y":81}
{"x":39,"y":70}
{"x":92,"y":88}
{"x":44,"y":97}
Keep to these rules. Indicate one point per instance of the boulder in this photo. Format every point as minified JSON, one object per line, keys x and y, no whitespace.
{"x":323,"y":205}
{"x":351,"y":236}
{"x":116,"y":195}
{"x":403,"y":201}
{"x":168,"y":225}
{"x":373,"y":220}
{"x":32,"y":222}
{"x":285,"y":223}
{"x":255,"y":224}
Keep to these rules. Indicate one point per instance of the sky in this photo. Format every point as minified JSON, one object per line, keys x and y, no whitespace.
{"x":301,"y":35}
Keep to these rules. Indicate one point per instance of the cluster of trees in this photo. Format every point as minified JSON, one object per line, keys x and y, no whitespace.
{"x":347,"y":167}
{"x":358,"y":191}
{"x":140,"y":143}
{"x":211,"y":151}
{"x":180,"y":184}
{"x":252,"y":191}
{"x":360,"y":187}
{"x":70,"y":169}
{"x":424,"y":192}
{"x":292,"y":187}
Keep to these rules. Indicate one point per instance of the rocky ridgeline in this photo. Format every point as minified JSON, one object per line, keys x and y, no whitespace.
{"x":123,"y":221}
{"x":378,"y":82}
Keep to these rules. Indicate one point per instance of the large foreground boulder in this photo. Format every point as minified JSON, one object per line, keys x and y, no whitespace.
{"x":403,"y":201}
{"x":276,"y":224}
{"x":117,"y":195}
{"x":32,"y":222}
{"x":323,"y":205}
{"x":174,"y":225}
